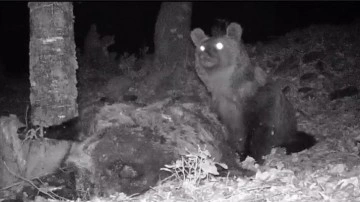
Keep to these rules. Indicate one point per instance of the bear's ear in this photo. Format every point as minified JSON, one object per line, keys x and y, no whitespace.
{"x":198,"y":36}
{"x":234,"y":31}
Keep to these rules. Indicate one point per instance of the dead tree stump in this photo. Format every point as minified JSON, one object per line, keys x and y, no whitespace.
{"x":128,"y":145}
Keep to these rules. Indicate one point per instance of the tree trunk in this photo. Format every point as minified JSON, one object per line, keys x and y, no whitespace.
{"x":171,"y":70}
{"x":172,"y":32}
{"x":128,"y":145}
{"x":53,"y":63}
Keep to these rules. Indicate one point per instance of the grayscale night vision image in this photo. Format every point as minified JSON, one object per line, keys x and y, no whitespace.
{"x":180,"y":101}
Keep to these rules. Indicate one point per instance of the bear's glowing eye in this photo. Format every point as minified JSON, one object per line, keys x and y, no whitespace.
{"x":202,"y":48}
{"x":219,"y":46}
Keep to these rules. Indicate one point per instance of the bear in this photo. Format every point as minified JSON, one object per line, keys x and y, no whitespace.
{"x":250,"y":104}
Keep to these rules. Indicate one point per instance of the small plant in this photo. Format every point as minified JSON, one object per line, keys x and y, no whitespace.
{"x":194,"y":167}
{"x":34,"y":133}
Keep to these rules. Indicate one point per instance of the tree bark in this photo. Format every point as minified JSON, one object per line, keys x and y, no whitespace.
{"x":128,"y":145}
{"x":171,"y":66}
{"x":172,"y":32}
{"x":53,"y":63}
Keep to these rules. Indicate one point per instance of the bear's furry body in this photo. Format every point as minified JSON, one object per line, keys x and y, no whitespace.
{"x":252,"y":107}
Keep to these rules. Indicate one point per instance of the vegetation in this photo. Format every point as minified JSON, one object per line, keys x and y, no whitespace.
{"x":310,"y":63}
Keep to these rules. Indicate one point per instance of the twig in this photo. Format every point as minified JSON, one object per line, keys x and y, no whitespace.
{"x":17,"y":183}
{"x":12,"y":185}
{"x":31,"y":183}
{"x":26,"y":116}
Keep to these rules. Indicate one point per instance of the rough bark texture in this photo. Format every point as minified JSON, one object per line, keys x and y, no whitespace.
{"x":12,"y":158}
{"x":52,"y":63}
{"x":125,"y":146}
{"x":172,"y":33}
{"x":27,"y":159}
{"x":129,"y":144}
{"x":170,"y":71}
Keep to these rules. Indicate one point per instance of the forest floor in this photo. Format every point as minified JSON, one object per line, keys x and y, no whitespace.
{"x":319,"y":70}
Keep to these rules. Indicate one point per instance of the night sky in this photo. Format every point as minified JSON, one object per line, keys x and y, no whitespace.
{"x":132,"y":23}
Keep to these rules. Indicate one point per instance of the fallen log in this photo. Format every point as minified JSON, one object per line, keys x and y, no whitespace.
{"x":128,"y":145}
{"x":124,"y":145}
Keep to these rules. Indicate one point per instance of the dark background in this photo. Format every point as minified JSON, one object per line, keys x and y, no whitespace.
{"x":132,"y":23}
